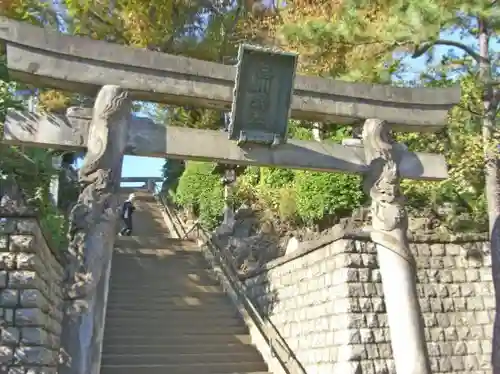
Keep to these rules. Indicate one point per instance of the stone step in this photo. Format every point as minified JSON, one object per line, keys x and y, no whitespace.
{"x":162,"y":255}
{"x":212,"y":308}
{"x":203,"y":368}
{"x":177,"y":298}
{"x":203,"y":314}
{"x":176,"y":348}
{"x":182,"y":359}
{"x":174,"y":295}
{"x":170,"y":287}
{"x":168,"y":340}
{"x":151,"y":240}
{"x":161,"y":285}
{"x":170,"y":322}
{"x":167,"y":313}
{"x":175,"y":330}
{"x":165,"y":251}
{"x":160,"y":370}
{"x":166,"y":268}
{"x":141,"y":276}
{"x":193,"y":275}
{"x":144,"y":304}
{"x":202,"y":279}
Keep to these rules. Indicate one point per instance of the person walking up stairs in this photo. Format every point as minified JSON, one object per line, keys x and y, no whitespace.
{"x":166,"y":313}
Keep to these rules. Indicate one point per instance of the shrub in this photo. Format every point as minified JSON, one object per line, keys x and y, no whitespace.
{"x":201,"y":190}
{"x":319,"y":194}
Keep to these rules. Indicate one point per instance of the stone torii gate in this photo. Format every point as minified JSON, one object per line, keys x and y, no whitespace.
{"x":149,"y":182}
{"x":265,"y":93}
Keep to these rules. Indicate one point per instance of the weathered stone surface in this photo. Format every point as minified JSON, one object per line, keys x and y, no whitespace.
{"x":9,"y":298}
{"x":22,"y":243}
{"x":10,"y":336}
{"x":29,"y":261}
{"x":4,"y":243}
{"x":26,"y":279}
{"x":35,"y":336}
{"x":146,"y":138}
{"x":78,"y":64}
{"x":91,"y":247}
{"x":6,"y":354}
{"x":30,"y":317}
{"x":30,"y":299}
{"x":8,"y":316}
{"x":35,"y":356}
{"x":17,"y":370}
{"x":41,"y":370}
{"x":292,"y":245}
{"x":7,"y":260}
{"x":331,"y":299}
{"x":3,"y":279}
{"x":396,"y":261}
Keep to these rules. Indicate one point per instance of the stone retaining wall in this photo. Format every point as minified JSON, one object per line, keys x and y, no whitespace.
{"x":328,"y":305}
{"x":31,"y":301}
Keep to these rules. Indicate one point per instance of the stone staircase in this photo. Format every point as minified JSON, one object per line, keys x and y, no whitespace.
{"x":166,"y":312}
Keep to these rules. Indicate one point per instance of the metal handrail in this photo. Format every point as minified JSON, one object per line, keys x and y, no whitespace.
{"x":173,"y":217}
{"x":279,"y":348}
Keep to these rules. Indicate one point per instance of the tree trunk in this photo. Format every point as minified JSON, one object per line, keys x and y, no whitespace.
{"x":492,"y":181}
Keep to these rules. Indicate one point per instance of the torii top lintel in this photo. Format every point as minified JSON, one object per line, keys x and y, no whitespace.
{"x":141,"y":179}
{"x":48,"y":58}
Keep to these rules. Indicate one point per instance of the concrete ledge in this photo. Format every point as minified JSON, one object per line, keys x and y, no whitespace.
{"x":311,"y":246}
{"x":47,"y":58}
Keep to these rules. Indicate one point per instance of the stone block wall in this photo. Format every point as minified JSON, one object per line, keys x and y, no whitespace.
{"x":328,"y":304}
{"x":31,"y":301}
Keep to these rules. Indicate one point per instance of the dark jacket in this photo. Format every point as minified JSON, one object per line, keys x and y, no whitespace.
{"x":127,"y":210}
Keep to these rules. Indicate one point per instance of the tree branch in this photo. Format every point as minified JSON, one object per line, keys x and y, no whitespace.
{"x":421,"y":49}
{"x":230,"y":30}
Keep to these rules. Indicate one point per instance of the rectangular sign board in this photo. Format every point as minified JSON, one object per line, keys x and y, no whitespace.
{"x":262,"y":95}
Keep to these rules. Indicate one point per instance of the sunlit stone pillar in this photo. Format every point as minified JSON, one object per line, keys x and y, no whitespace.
{"x":396,"y":262}
{"x":92,"y":233}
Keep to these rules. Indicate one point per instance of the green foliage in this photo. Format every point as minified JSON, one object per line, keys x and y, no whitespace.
{"x":275,"y":178}
{"x":322,"y":194}
{"x":200,"y":189}
{"x":287,"y":205}
{"x":21,"y":165}
{"x":54,"y":223}
{"x":7,"y":100}
{"x":172,"y":171}
{"x":461,"y":143}
{"x":356,"y":40}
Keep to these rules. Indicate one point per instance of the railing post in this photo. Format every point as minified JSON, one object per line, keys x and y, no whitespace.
{"x":151,"y":185}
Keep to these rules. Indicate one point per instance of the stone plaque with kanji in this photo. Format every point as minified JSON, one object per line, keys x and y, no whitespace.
{"x":262,"y":95}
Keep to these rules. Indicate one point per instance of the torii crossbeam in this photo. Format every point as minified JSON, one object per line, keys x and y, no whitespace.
{"x":48,"y":58}
{"x":146,"y":138}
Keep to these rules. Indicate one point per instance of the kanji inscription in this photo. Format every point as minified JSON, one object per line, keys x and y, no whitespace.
{"x":262,"y":96}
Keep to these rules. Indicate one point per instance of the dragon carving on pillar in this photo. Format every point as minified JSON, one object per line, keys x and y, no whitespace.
{"x":381,"y":183}
{"x":90,"y":219}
